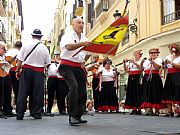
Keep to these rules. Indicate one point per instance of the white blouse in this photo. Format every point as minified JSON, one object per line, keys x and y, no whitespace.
{"x":132,"y":66}
{"x":107,"y":75}
{"x":147,"y":63}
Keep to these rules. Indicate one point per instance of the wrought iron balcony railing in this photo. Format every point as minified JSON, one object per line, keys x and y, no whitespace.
{"x":103,"y":6}
{"x":171,"y":17}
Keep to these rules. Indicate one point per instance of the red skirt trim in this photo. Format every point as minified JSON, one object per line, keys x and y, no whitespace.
{"x":106,"y":107}
{"x":132,"y":107}
{"x":151,"y":105}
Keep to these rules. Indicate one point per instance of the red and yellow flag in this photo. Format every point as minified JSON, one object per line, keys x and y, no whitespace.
{"x":107,"y":42}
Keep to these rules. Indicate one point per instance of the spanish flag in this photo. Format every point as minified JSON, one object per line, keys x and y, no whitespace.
{"x":108,"y":41}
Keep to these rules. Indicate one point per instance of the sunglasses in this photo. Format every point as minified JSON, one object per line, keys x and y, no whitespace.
{"x":153,"y":52}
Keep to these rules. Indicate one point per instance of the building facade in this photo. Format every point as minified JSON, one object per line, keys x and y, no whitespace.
{"x":60,"y":23}
{"x":11,"y":21}
{"x":152,"y":23}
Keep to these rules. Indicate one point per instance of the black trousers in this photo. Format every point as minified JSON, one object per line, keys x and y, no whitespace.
{"x":95,"y":84}
{"x":52,"y":86}
{"x":31,"y":84}
{"x":63,"y":91}
{"x":5,"y":95}
{"x":14,"y":84}
{"x":59,"y":88}
{"x":76,"y":80}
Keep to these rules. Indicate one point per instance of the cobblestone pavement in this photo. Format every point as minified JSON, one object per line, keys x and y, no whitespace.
{"x":99,"y":124}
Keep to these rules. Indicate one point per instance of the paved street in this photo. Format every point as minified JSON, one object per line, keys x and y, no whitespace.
{"x":99,"y":124}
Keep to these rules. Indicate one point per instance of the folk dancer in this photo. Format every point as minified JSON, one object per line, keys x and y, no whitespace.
{"x":171,"y":93}
{"x":152,"y":85}
{"x":134,"y":92}
{"x":71,"y":70}
{"x":5,"y":88}
{"x":107,"y":98}
{"x":56,"y":84}
{"x":93,"y":66}
{"x":12,"y":54}
{"x":34,"y":58}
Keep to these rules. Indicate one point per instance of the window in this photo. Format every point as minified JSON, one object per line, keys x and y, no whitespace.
{"x":170,"y":11}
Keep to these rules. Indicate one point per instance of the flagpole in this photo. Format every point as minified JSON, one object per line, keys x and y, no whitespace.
{"x":78,"y":51}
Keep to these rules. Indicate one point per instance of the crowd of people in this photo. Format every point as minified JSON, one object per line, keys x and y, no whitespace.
{"x":67,"y":79}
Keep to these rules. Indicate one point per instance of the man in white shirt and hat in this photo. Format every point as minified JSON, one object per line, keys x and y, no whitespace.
{"x":35,"y":57}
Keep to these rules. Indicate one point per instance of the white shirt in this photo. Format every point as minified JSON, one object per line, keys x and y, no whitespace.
{"x":68,"y":38}
{"x":107,"y":75}
{"x":53,"y":69}
{"x":132,"y":66}
{"x":12,"y":52}
{"x":170,"y":58}
{"x":147,"y":63}
{"x":38,"y":58}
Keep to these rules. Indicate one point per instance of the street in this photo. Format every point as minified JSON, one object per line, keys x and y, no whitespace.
{"x":99,"y":124}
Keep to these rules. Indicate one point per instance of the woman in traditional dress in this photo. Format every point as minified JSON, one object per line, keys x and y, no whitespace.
{"x":133,"y":93}
{"x":152,"y":86}
{"x":107,"y":99}
{"x":171,"y":93}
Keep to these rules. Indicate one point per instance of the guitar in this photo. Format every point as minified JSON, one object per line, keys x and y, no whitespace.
{"x":5,"y":65}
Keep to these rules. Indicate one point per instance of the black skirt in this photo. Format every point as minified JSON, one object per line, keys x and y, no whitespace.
{"x":134,"y":92}
{"x":171,"y":93}
{"x":108,"y":99}
{"x":152,"y":88}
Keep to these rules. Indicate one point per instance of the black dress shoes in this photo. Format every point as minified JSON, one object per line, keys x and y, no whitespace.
{"x":82,"y":121}
{"x":73,"y":121}
{"x":19,"y":117}
{"x":37,"y":116}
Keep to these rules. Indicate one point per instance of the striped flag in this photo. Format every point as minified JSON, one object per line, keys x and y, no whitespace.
{"x":107,"y":42}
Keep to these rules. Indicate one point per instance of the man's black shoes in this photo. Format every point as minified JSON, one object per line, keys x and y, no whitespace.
{"x":82,"y":121}
{"x":19,"y":117}
{"x":37,"y":116}
{"x":75,"y":121}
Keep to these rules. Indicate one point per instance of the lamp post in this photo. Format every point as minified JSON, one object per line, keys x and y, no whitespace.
{"x":117,"y":15}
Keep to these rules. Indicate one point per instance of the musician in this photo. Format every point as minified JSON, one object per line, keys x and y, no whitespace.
{"x":134,"y":92}
{"x":31,"y":83}
{"x":56,"y":84}
{"x":94,"y":65}
{"x":108,"y":100}
{"x":14,"y":82}
{"x":71,"y":70}
{"x":152,"y":86}
{"x":171,"y":93}
{"x":5,"y":90}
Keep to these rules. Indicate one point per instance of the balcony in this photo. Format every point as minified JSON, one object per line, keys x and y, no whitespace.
{"x":171,"y":17}
{"x":102,"y":7}
{"x":79,"y":8}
